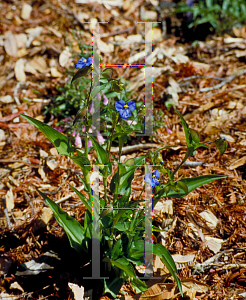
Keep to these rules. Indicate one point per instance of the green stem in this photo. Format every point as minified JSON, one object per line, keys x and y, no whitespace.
{"x":116,"y":189}
{"x":105,"y":171}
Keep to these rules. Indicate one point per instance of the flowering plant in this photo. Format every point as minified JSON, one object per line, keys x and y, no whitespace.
{"x":120,"y":224}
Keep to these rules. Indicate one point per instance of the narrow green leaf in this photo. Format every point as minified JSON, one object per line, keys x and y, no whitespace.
{"x":72,"y":227}
{"x":186,"y":130}
{"x":167,"y":259}
{"x":191,"y":183}
{"x":61,"y":142}
{"x":86,"y":202}
{"x":123,"y":264}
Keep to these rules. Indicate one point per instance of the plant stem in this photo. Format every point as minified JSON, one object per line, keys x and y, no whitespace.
{"x":105,"y":171}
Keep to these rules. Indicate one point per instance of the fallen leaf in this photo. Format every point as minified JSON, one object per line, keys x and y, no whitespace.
{"x":10,"y":204}
{"x":55,"y":72}
{"x":21,"y":40}
{"x":238,"y":163}
{"x":6,"y":99}
{"x":26,"y":11}
{"x":10,"y":44}
{"x":105,"y":48}
{"x":47,"y":215}
{"x":78,"y":291}
{"x":52,"y":163}
{"x":15,"y":285}
{"x":210,"y":218}
{"x":39,"y":64}
{"x":65,"y":58}
{"x":20,"y":70}
{"x":214,"y":244}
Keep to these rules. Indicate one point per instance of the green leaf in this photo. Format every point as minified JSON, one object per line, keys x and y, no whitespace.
{"x":186,"y":130}
{"x":101,"y":153}
{"x":167,"y":259}
{"x":194,"y":135}
{"x":116,"y":86}
{"x":127,"y":177}
{"x":81,"y":73}
{"x":84,"y":183}
{"x":72,"y":227}
{"x":123,"y":264}
{"x":138,"y":285}
{"x":80,"y":114}
{"x":86,"y":202}
{"x":82,"y":161}
{"x":183,"y":186}
{"x":107,"y":73}
{"x":61,"y":142}
{"x":113,"y":287}
{"x":191,"y":183}
{"x":221,"y":144}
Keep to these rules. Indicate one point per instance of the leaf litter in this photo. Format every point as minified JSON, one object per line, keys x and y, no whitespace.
{"x":204,"y":231}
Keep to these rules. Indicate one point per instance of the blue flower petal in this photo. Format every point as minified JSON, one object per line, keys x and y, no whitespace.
{"x":157,"y":173}
{"x":89,"y":61}
{"x":131,"y":105}
{"x":119,"y":105}
{"x":148,"y":178}
{"x":83,"y":62}
{"x":125,"y":113}
{"x":155,"y":181}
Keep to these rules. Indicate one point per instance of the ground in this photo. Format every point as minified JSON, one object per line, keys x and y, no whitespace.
{"x":39,"y":45}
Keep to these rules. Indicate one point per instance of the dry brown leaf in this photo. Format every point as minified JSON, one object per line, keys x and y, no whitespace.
{"x":20,"y":70}
{"x":238,"y":163}
{"x":52,"y":163}
{"x":159,"y":291}
{"x":65,"y":58}
{"x":26,"y":11}
{"x":47,"y":215}
{"x":78,"y":291}
{"x":213,"y":244}
{"x":6,"y":99}
{"x":196,"y":285}
{"x":39,"y":64}
{"x":30,"y":69}
{"x":210,"y":218}
{"x":21,"y":40}
{"x":10,"y":44}
{"x":183,"y":260}
{"x":105,"y":48}
{"x":55,"y":72}
{"x":10,"y":203}
{"x":154,"y":34}
{"x":134,"y":38}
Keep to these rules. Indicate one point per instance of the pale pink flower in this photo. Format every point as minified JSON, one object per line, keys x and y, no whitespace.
{"x":78,"y":141}
{"x":100,"y":138}
{"x":89,"y":143}
{"x":105,"y":100}
{"x":91,"y":108}
{"x":169,"y":130}
{"x":131,"y":122}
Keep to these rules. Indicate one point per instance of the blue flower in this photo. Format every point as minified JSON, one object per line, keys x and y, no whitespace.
{"x":125,"y":109}
{"x":152,"y":178}
{"x":83,"y":62}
